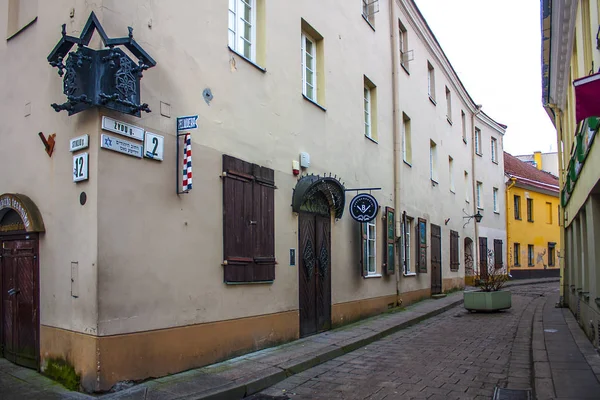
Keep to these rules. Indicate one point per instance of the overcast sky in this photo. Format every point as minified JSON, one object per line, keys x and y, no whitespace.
{"x":494,"y":47}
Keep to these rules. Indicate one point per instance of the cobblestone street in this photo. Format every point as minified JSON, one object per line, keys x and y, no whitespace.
{"x":456,"y":355}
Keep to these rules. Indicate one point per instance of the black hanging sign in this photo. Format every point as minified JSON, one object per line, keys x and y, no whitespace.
{"x":364,"y":207}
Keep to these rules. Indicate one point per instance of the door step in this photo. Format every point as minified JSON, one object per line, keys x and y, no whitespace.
{"x":438,"y":296}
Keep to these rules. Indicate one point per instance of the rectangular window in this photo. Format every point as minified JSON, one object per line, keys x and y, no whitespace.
{"x":21,"y":14}
{"x":517,"y":254}
{"x":309,"y":67}
{"x":517,"y":206}
{"x":389,"y":243}
{"x":422,"y":246}
{"x":406,"y":139}
{"x":403,"y":45}
{"x":242,"y":28}
{"x":551,"y":254}
{"x":494,"y":150}
{"x":370,"y":108}
{"x":451,"y":173}
{"x":431,"y":82}
{"x":549,"y":213}
{"x":448,"y":105}
{"x":371,"y":230}
{"x":530,"y":255}
{"x":478,"y":141}
{"x":454,"y":251}
{"x":530,"y":210}
{"x":496,"y":210}
{"x":463,"y":125}
{"x":479,"y":194}
{"x":369,"y":9}
{"x":407,"y":226}
{"x":498,"y":254}
{"x":468,"y":188}
{"x":433,"y":160}
{"x":248,"y":248}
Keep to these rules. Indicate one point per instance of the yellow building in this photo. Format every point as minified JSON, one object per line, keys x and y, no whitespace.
{"x":532,"y":226}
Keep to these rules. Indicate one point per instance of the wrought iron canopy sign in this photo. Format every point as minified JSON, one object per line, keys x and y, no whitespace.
{"x":312,"y":192}
{"x":107,"y":78}
{"x":364,"y":207}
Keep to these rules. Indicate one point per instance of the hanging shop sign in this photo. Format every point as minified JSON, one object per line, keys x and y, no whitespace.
{"x":187,"y":123}
{"x":364,"y":207}
{"x":121,"y":146}
{"x":154,"y":146}
{"x":123,"y":128}
{"x":80,"y":167}
{"x":79,"y":143}
{"x":106,"y":78}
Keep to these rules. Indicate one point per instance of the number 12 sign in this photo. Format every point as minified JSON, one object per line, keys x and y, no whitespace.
{"x":80,"y":167}
{"x":154,"y":146}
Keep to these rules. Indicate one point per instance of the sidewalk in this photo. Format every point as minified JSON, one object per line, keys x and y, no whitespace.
{"x":253,"y":372}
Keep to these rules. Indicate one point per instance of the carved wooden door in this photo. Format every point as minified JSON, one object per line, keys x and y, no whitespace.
{"x":314,"y":273}
{"x":20,"y":299}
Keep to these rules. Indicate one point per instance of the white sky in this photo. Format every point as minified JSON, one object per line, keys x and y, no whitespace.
{"x":494,"y":47}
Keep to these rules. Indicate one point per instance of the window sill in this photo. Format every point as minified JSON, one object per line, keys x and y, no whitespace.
{"x":518,"y":219}
{"x":21,"y":29}
{"x":434,"y":183}
{"x":368,"y":22}
{"x":371,"y":139}
{"x":248,"y":283}
{"x":497,"y":212}
{"x":255,"y":65}
{"x":407,"y":163}
{"x":431,"y":99}
{"x":517,"y":266}
{"x":409,"y":274}
{"x":373,"y":276}
{"x":449,"y":120}
{"x":530,"y":265}
{"x":405,"y":68}
{"x":479,"y":208}
{"x":465,"y":140}
{"x":495,"y":162}
{"x":530,"y":220}
{"x":314,"y":102}
{"x":479,"y":154}
{"x":452,"y":191}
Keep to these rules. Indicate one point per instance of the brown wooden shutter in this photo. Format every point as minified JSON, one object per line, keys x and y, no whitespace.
{"x":422,"y":245}
{"x":454,"y":251}
{"x":248,"y":222}
{"x":483,"y":264}
{"x":498,"y":254}
{"x":389,"y":241}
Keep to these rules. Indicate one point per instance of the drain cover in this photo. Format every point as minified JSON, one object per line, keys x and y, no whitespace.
{"x":512,"y":394}
{"x":551,"y":330}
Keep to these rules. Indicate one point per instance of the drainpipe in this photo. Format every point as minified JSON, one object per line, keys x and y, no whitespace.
{"x":473,"y":185}
{"x":513,"y":182}
{"x":397,"y":138}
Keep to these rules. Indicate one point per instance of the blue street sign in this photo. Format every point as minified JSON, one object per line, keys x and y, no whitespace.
{"x":187,"y":123}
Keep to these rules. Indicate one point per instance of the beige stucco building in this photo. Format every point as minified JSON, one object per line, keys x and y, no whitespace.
{"x":129,"y":280}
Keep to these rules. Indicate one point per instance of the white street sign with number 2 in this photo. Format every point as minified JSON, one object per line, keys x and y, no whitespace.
{"x":80,"y":167}
{"x":154,"y":146}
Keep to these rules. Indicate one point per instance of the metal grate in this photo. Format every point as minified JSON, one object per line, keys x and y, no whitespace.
{"x":512,"y":394}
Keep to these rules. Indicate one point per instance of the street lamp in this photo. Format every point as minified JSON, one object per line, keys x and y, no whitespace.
{"x":478,"y":217}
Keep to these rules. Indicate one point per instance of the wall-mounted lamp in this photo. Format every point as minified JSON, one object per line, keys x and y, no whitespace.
{"x":477,"y":217}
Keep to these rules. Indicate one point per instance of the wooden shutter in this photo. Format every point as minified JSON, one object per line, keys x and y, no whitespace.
{"x":454,"y":251}
{"x":422,"y":245}
{"x":483,"y":264}
{"x":363,"y":249}
{"x":498,"y":254}
{"x":389,"y":235}
{"x":248,"y":222}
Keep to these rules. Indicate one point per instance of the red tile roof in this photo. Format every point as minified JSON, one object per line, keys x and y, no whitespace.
{"x":528,"y":173}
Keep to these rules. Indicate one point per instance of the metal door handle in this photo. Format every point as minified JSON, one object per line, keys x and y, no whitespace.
{"x":13,"y":291}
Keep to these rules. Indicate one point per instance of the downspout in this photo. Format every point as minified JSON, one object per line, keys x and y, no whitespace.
{"x":510,"y":186}
{"x":473,"y":184}
{"x":397,"y":138}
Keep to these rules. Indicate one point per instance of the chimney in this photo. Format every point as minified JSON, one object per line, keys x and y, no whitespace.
{"x":537,"y":157}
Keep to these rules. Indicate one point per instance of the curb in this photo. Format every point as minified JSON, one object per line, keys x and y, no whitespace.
{"x":238,"y":391}
{"x":517,"y":283}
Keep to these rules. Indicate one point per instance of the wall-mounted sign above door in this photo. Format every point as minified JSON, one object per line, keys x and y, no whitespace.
{"x":364,"y":207}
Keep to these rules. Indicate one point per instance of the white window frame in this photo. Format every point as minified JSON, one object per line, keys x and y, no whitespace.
{"x":430,"y":81}
{"x":368,"y":108}
{"x":478,"y":141}
{"x":433,"y":160}
{"x":478,"y":190}
{"x":371,"y":267}
{"x":406,"y":246}
{"x":530,"y":255}
{"x":494,"y":150}
{"x":451,"y":173}
{"x":236,"y":23}
{"x":467,"y":187}
{"x":406,"y":144}
{"x":403,"y":44}
{"x":448,"y":105}
{"x":496,"y":200}
{"x":312,"y":67}
{"x":463,"y":118}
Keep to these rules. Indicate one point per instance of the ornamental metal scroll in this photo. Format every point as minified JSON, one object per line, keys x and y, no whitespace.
{"x":107,"y":78}
{"x":319,"y":194}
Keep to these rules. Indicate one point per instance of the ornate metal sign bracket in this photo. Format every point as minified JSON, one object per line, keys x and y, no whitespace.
{"x":107,"y":78}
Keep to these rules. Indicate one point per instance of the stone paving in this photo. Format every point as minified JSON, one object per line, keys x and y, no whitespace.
{"x":456,"y":355}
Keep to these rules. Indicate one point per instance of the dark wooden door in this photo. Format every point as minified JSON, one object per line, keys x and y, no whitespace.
{"x":20,"y":299}
{"x":314,"y":273}
{"x":436,"y":259}
{"x":483,"y":258}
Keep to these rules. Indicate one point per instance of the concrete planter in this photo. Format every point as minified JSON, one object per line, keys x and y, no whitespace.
{"x":487,"y":301}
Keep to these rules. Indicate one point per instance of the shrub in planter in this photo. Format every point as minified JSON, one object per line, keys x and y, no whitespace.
{"x":489,"y":296}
